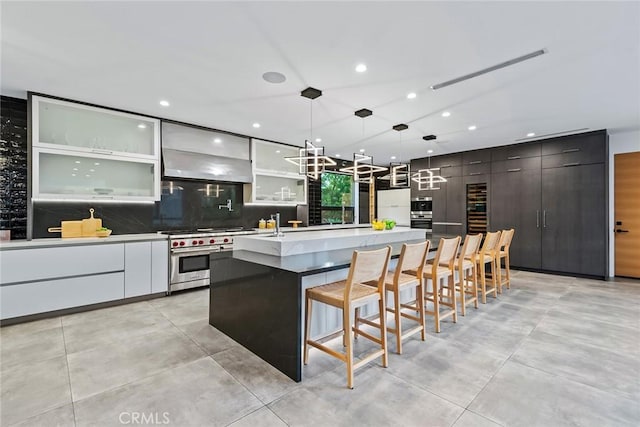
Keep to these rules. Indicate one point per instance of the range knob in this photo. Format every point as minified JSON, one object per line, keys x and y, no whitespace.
{"x":201,"y":242}
{"x":182,"y":243}
{"x":212,"y":241}
{"x":195,"y":242}
{"x":226,"y":240}
{"x":174,"y":244}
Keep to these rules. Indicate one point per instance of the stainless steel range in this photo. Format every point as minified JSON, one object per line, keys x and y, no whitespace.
{"x":190,"y":252}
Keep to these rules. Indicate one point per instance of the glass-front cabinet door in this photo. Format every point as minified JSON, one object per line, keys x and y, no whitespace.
{"x":276,"y":181}
{"x":82,"y":152}
{"x":68,"y":126}
{"x":99,"y":177}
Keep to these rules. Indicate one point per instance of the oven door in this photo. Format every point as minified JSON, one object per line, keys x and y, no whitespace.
{"x":190,"y":268}
{"x":422,"y":221}
{"x":422,"y":204}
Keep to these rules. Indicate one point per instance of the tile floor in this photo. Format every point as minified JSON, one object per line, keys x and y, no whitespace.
{"x":552,"y":351}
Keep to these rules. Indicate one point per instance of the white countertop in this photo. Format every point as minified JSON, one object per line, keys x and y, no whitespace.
{"x":309,"y":241}
{"x":76,"y":241}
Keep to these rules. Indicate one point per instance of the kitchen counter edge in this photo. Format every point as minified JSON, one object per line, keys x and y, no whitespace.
{"x":80,"y":241}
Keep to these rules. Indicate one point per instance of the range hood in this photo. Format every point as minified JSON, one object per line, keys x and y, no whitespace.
{"x":190,"y":152}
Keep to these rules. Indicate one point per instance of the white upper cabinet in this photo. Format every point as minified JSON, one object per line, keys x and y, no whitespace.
{"x":88,"y":153}
{"x":275,"y":180}
{"x":68,"y":126}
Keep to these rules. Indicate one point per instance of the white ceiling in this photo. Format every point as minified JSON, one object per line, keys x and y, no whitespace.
{"x":207,"y":59}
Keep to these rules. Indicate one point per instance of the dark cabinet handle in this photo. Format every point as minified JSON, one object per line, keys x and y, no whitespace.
{"x":544,"y":219}
{"x":445,"y":166}
{"x":475,"y":162}
{"x":514,"y":170}
{"x":537,"y":219}
{"x":571,"y":150}
{"x":475,"y":173}
{"x":622,"y":231}
{"x":566,"y":165}
{"x":513,"y":157}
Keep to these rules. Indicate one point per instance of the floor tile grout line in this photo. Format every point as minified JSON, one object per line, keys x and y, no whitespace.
{"x":240,"y":382}
{"x":66,"y":360}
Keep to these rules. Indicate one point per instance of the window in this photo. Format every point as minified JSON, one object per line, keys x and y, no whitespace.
{"x":336,"y":198}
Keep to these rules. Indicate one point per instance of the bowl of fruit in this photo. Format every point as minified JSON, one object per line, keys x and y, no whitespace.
{"x":389,"y":224}
{"x":103,"y":232}
{"x":378,"y":225}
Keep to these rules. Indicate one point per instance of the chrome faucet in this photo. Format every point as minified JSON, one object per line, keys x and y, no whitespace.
{"x":276,"y":230}
{"x":227,"y":206}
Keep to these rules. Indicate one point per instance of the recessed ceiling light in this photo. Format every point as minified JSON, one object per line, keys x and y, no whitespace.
{"x":362,"y":150}
{"x":411,"y":95}
{"x":97,"y":164}
{"x":446,"y":114}
{"x":217,"y":140}
{"x":73,"y":174}
{"x":318,"y":139}
{"x":337,"y":155}
{"x":274,"y":77}
{"x":77,"y":161}
{"x":256,"y":125}
{"x":472,"y":127}
{"x":530,"y":134}
{"x":393,"y":157}
{"x":92,"y":170}
{"x":164,"y":103}
{"x":277,"y":151}
{"x":88,"y":176}
{"x":429,"y":151}
{"x":75,"y":169}
{"x":142,"y":126}
{"x":361,"y":68}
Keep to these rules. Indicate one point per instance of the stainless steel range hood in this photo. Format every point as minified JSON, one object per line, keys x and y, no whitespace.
{"x":190,"y":152}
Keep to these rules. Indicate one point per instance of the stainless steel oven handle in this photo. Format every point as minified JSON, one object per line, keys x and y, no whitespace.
{"x":192,"y":251}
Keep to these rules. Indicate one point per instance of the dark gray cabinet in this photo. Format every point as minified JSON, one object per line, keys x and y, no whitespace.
{"x":515,"y":203}
{"x":574,"y":238}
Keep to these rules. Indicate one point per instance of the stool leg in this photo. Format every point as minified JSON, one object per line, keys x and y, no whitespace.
{"x":499,"y":274}
{"x":383,"y":330}
{"x":348,"y":342}
{"x":462,"y":278}
{"x":396,"y":303}
{"x":452,"y":296}
{"x":307,"y":326}
{"x":494,"y":276}
{"x":474,"y":282}
{"x":507,"y":270}
{"x":436,"y":302}
{"x":420,"y":306}
{"x":356,"y":326}
{"x":483,"y":282}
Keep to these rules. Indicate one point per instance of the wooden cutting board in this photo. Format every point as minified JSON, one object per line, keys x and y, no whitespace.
{"x":68,"y":229}
{"x":91,"y":225}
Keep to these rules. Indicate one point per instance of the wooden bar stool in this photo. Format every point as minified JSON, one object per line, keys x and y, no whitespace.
{"x":408,"y":274}
{"x":488,"y":255}
{"x":503,"y":253}
{"x":467,"y":283}
{"x":366,"y":266}
{"x":442,"y":268}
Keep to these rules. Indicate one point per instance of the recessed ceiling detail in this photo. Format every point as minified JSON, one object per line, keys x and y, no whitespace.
{"x":274,"y":77}
{"x":400,"y":127}
{"x":363,"y":113}
{"x":429,"y":137}
{"x":490,"y":69}
{"x":548,"y":135}
{"x":311,"y":93}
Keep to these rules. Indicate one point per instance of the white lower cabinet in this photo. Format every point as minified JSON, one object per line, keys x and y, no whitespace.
{"x":159,"y":267}
{"x":137,"y":273}
{"x":38,"y":280}
{"x":47,"y":295}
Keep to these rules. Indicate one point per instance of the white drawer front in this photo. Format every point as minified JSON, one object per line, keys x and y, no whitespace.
{"x":40,"y":297}
{"x":46,"y":263}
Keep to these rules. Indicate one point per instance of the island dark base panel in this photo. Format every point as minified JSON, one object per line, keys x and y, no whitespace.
{"x":259,"y":307}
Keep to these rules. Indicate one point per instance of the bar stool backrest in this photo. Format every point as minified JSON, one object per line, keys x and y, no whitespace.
{"x":367,"y":266}
{"x":505,"y":239}
{"x":491,"y":242}
{"x":447,"y":251}
{"x":412,"y":257}
{"x":470,"y":246}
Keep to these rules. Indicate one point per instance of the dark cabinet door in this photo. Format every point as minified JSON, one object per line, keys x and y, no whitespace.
{"x":515,"y":203}
{"x":573,"y":219}
{"x":455,"y":200}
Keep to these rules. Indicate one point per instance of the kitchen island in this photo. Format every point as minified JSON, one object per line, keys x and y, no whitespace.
{"x":257,"y":298}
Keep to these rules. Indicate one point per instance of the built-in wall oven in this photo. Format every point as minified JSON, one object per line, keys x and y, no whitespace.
{"x":422,"y":213}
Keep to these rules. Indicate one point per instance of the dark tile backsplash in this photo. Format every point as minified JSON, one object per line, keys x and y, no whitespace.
{"x":185,"y":205}
{"x":13,"y":166}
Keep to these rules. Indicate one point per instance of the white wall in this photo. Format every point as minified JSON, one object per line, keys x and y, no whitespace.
{"x":623,"y":142}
